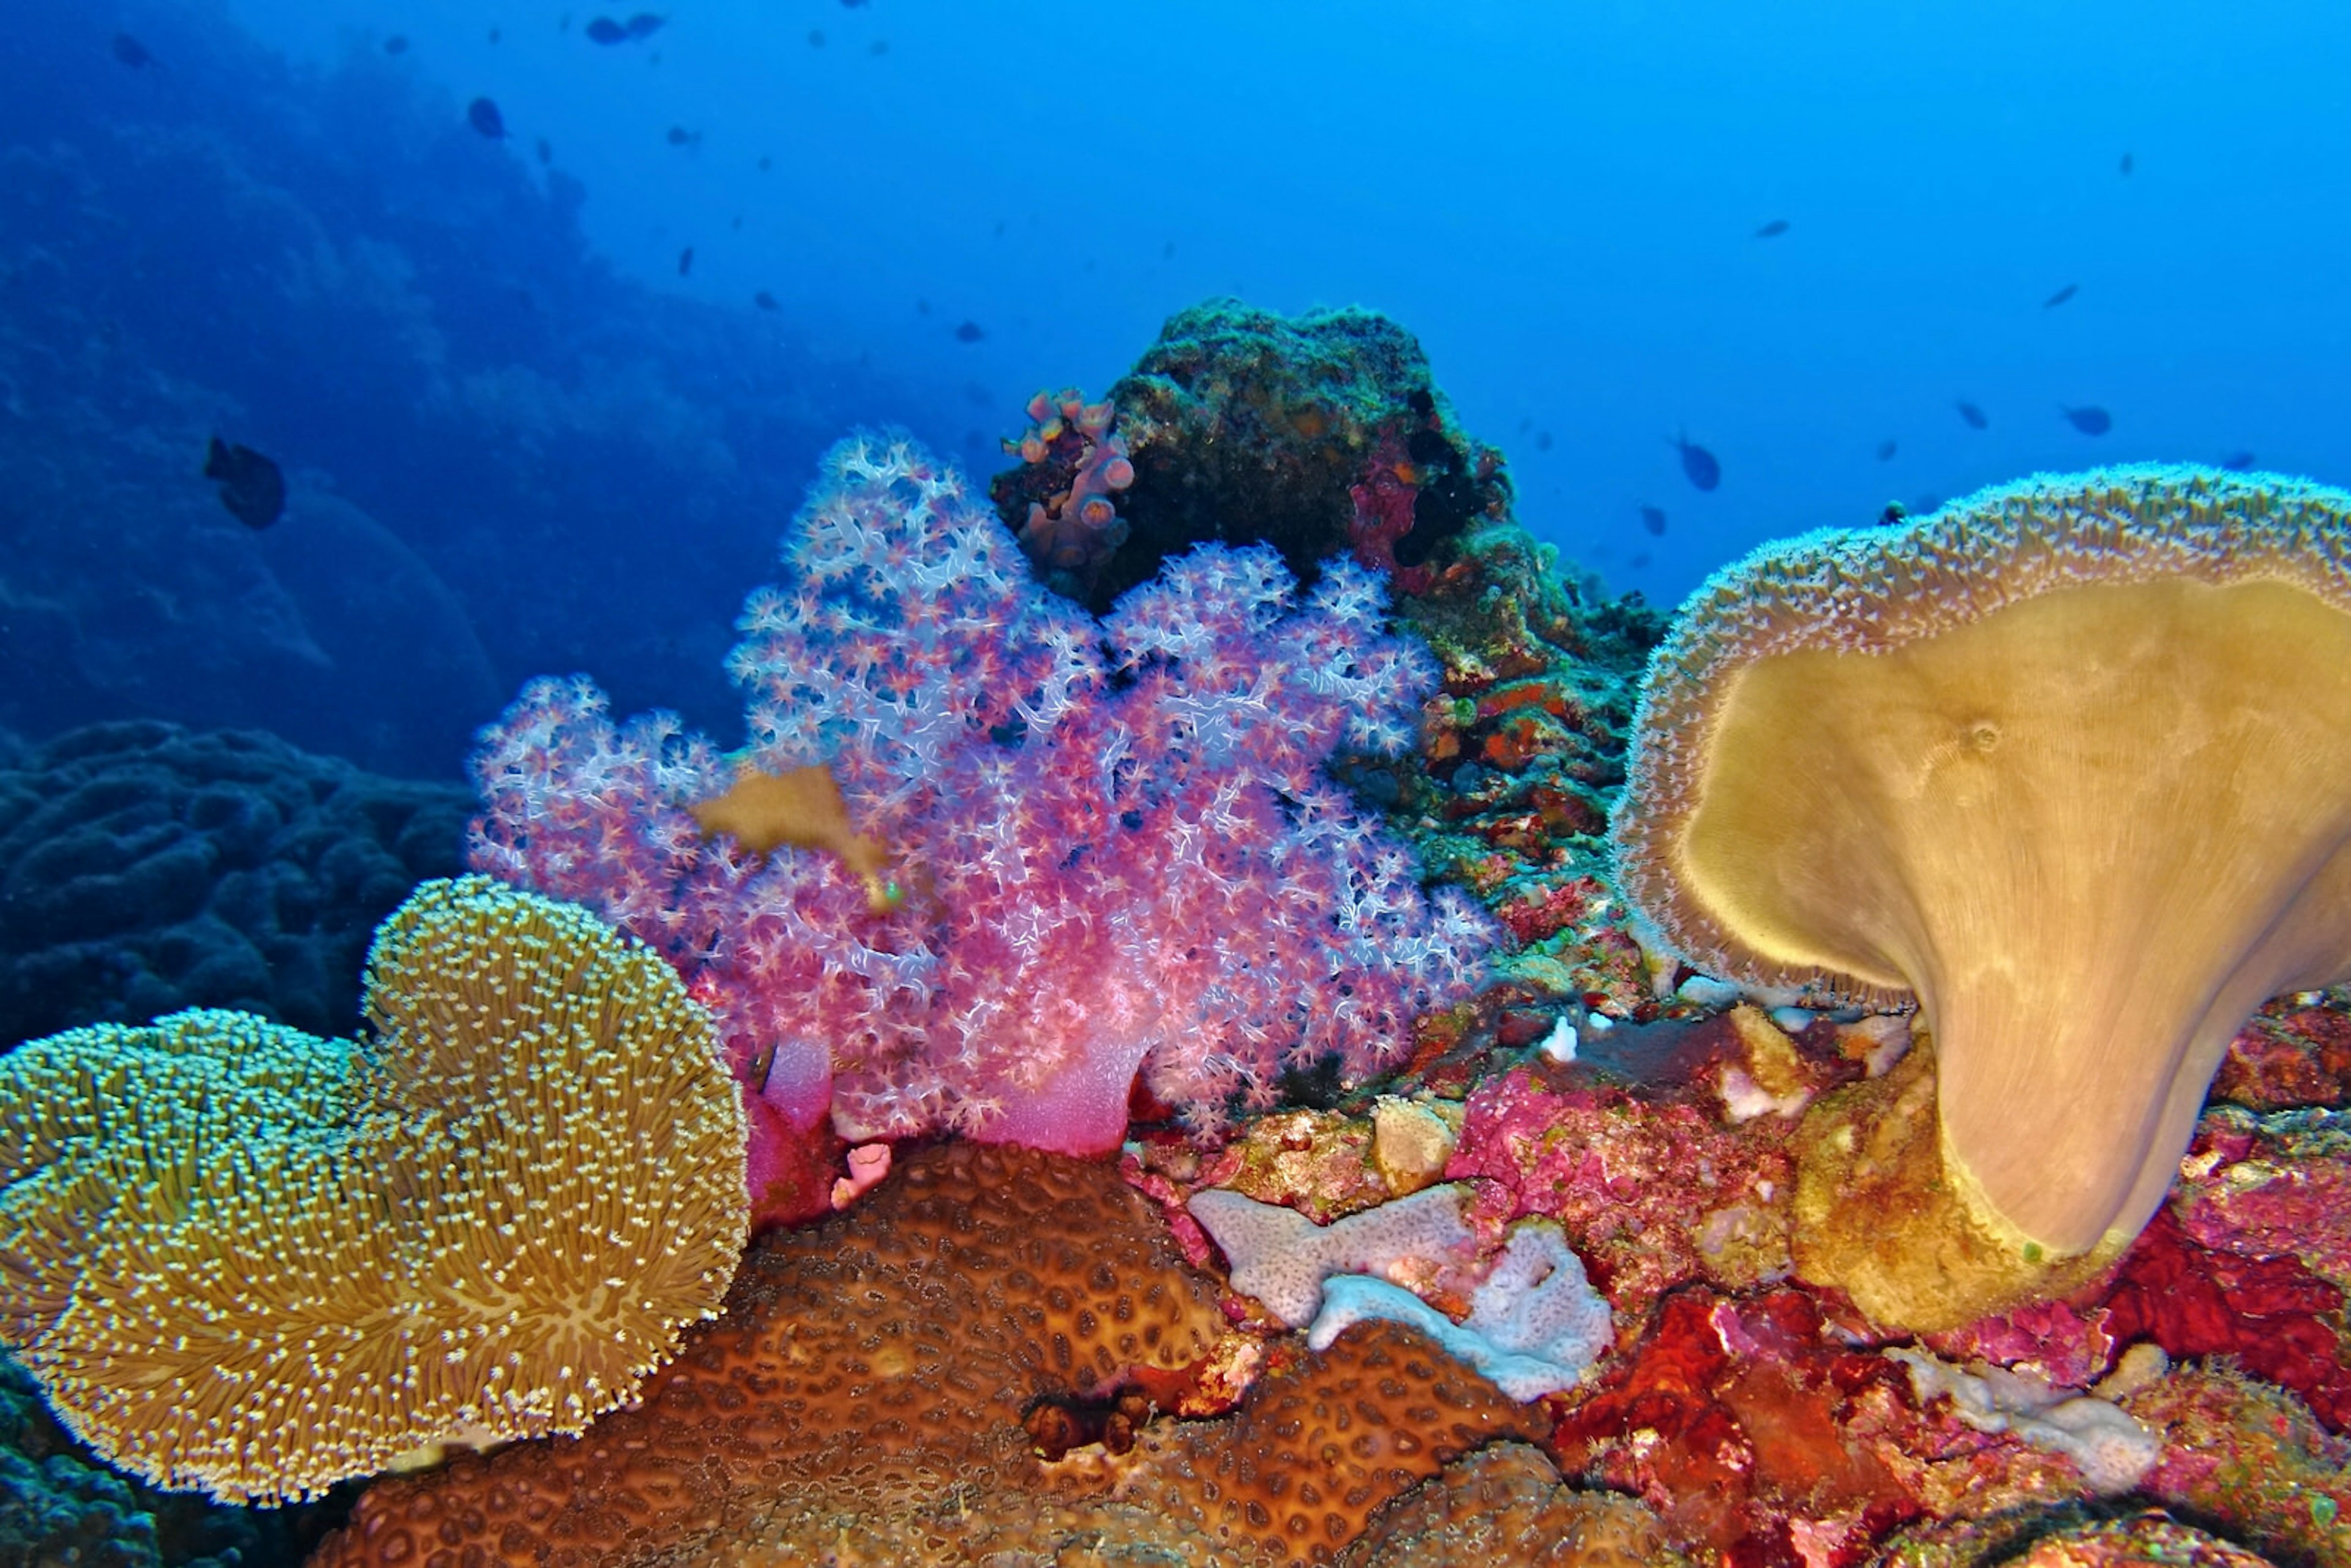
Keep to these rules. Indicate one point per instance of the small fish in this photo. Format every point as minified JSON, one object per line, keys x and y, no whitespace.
{"x":2061,"y":296}
{"x":1894,"y":515}
{"x":765,"y":165}
{"x":686,"y":261}
{"x":131,"y":52}
{"x":1974,"y":415}
{"x":1885,"y":451}
{"x":645,"y":25}
{"x":816,"y":37}
{"x":2127,"y":165}
{"x":922,"y":306}
{"x":252,"y":488}
{"x":679,"y":136}
{"x":483,"y":116}
{"x":1637,"y":561}
{"x":396,"y":45}
{"x":2237,"y":462}
{"x":1166,"y":252}
{"x":606,"y":31}
{"x":1773,"y":229}
{"x":1543,"y":441}
{"x":878,"y":47}
{"x":850,"y":5}
{"x":970,"y":332}
{"x":2089,"y":418}
{"x":1698,"y":463}
{"x":545,"y":151}
{"x":764,"y":301}
{"x":496,"y":35}
{"x":1653,"y":519}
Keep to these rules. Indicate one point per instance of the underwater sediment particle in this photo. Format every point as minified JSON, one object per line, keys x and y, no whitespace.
{"x":2061,"y":763}
{"x":243,"y":1258}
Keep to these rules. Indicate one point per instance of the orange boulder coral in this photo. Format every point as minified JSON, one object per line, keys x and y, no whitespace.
{"x":870,"y":1374}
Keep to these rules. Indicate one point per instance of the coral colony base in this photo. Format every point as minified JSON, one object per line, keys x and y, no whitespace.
{"x":1219,"y":1193}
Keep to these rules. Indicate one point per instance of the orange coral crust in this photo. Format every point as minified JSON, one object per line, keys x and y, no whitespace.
{"x":878,"y":1361}
{"x":1507,"y":1505}
{"x":1326,"y":1442}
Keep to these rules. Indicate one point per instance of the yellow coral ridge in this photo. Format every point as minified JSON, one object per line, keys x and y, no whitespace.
{"x":2066,"y":762}
{"x":243,"y":1258}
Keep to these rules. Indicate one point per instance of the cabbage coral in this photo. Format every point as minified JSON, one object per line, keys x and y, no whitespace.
{"x":243,"y":1258}
{"x":2066,"y":764}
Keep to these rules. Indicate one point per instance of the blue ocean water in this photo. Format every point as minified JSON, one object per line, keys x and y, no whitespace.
{"x":522,"y":434}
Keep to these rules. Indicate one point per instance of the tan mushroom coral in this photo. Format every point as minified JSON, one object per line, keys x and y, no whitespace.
{"x":2070,"y":763}
{"x":243,"y":1258}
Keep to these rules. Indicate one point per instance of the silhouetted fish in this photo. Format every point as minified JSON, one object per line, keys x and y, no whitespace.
{"x":970,"y":332}
{"x":2061,"y":296}
{"x":546,"y":152}
{"x":1653,"y":519}
{"x":816,"y":37}
{"x":1972,"y":413}
{"x":764,"y":300}
{"x":2089,"y":418}
{"x":850,"y":5}
{"x":1894,"y":515}
{"x":1885,"y":450}
{"x":686,"y":261}
{"x":395,"y":44}
{"x":1773,"y":229}
{"x":483,"y":116}
{"x":1698,"y":463}
{"x":878,"y":47}
{"x":2127,"y":165}
{"x":131,"y":52}
{"x":645,"y":25}
{"x":679,"y":136}
{"x":252,"y":488}
{"x":2238,"y":462}
{"x":605,"y":30}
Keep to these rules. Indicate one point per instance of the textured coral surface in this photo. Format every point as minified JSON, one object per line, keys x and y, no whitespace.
{"x":871,"y":1368}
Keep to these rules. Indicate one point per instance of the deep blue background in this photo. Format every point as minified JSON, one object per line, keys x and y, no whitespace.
{"x":521,"y":441}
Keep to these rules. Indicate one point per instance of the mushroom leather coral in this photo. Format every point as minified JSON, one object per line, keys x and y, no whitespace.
{"x":2064,"y":761}
{"x":875,"y":1367}
{"x":240,"y":1258}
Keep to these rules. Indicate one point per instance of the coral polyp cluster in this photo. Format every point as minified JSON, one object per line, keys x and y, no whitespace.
{"x":2063,"y":762}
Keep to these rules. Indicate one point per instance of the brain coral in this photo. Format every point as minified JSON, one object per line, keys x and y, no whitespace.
{"x":240,"y":1258}
{"x":2064,"y":762}
{"x":870,"y":1371}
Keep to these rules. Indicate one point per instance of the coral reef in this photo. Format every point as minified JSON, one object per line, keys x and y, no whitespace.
{"x":1122,"y":848}
{"x":1073,"y":465}
{"x":1505,"y":1505}
{"x":240,"y":1258}
{"x":1534,"y":1325}
{"x":870,"y":1374}
{"x":1314,"y":434}
{"x":145,"y":868}
{"x":2002,"y":843}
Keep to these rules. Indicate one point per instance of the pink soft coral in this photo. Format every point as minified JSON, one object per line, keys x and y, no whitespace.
{"x":1125,"y":851}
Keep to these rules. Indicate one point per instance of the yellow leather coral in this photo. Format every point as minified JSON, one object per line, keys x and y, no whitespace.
{"x":243,"y":1258}
{"x":2069,"y":762}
